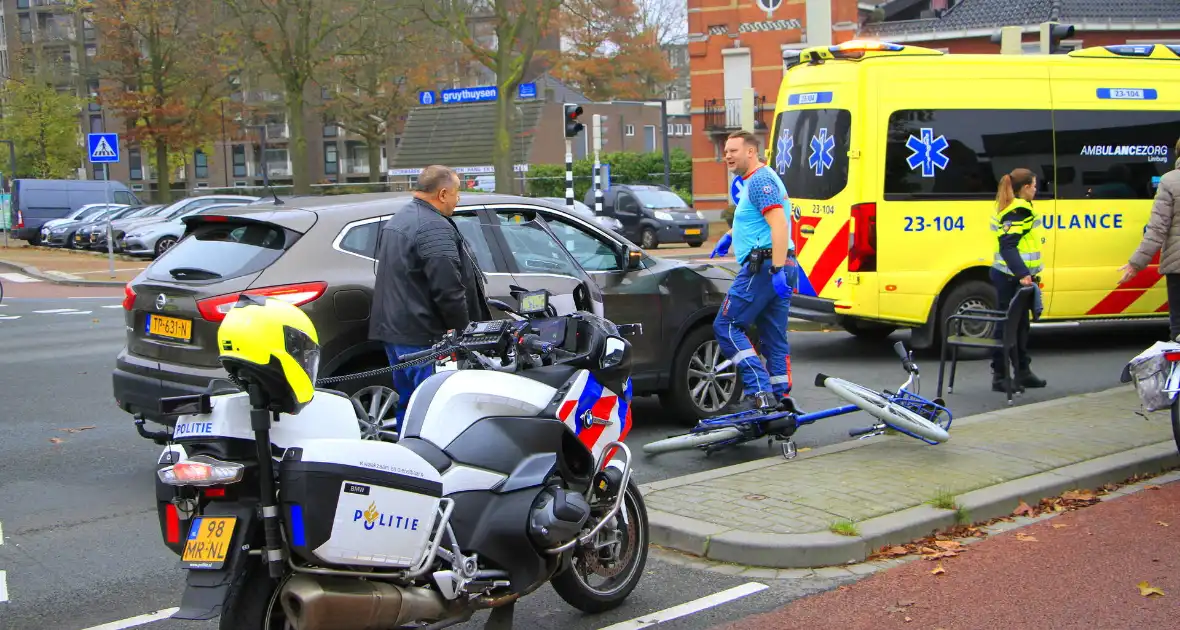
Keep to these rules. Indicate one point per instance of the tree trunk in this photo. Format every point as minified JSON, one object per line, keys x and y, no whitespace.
{"x":373,"y":144}
{"x":163,"y":177}
{"x":298,"y":141}
{"x":502,"y":149}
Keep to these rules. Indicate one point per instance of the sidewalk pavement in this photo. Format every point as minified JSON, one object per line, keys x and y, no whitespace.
{"x":778,"y":513}
{"x":69,"y":267}
{"x":1113,"y":565}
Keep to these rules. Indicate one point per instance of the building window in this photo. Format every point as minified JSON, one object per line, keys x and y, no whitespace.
{"x":331,"y":159}
{"x":816,"y":165}
{"x":22,"y":4}
{"x":201,"y":164}
{"x":325,"y":93}
{"x":96,"y":124}
{"x":688,"y":129}
{"x":1100,"y":156}
{"x":239,"y":158}
{"x":92,"y":88}
{"x":331,"y":130}
{"x":88,"y":32}
{"x":649,"y":138}
{"x":971,"y":150}
{"x":629,"y":130}
{"x":135,"y":161}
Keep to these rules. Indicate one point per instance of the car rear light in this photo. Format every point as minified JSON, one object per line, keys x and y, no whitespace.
{"x":862,"y":241}
{"x":1172,"y":356}
{"x":214,"y":309}
{"x":20,"y":219}
{"x":201,"y":470}
{"x":128,"y":297}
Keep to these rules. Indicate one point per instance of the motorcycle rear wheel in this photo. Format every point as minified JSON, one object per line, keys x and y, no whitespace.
{"x":253,"y":602}
{"x":573,"y":584}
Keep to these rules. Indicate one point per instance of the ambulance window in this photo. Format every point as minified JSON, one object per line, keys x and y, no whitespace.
{"x":810,"y":152}
{"x":961,"y":154}
{"x":1109,"y":155}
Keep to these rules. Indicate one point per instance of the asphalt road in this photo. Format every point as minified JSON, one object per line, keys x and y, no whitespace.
{"x":80,"y":543}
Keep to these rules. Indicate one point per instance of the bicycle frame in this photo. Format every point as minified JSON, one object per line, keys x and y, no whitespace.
{"x":752,"y":424}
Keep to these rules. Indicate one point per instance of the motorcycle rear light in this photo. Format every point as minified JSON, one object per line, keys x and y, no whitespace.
{"x":128,"y":297}
{"x":202,"y":470}
{"x":171,"y":525}
{"x":1172,"y":356}
{"x":215,"y":493}
{"x":862,"y":241}
{"x":215,"y":309}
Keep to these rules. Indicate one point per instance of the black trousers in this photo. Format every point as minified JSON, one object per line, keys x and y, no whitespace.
{"x":1006,"y":288}
{"x":1173,"y":280}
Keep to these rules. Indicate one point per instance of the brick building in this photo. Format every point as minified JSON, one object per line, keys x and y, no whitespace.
{"x":735,"y":44}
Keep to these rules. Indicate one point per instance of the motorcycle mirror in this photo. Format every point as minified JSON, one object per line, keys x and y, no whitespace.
{"x":502,"y":305}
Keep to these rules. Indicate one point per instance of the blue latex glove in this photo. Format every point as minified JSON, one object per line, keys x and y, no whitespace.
{"x":782,"y":283}
{"x":722,"y":246}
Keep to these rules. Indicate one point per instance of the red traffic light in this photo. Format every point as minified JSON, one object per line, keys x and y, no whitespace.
{"x":574,"y":111}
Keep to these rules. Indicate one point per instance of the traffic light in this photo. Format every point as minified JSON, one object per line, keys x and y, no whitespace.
{"x":1051,"y":35}
{"x":572,"y":126}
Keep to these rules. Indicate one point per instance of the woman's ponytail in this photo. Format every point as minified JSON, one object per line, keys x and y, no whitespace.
{"x":1004,"y":195}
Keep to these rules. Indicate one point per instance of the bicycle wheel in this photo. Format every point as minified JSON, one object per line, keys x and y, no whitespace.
{"x":690,"y":440}
{"x":878,"y":405}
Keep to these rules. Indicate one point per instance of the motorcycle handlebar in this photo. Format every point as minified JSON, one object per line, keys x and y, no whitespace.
{"x":422,"y":354}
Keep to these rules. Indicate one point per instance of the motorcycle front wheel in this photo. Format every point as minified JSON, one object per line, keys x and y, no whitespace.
{"x":598,"y":580}
{"x":1176,"y":421}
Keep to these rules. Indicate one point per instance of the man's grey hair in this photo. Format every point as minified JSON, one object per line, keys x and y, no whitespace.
{"x":434,"y":177}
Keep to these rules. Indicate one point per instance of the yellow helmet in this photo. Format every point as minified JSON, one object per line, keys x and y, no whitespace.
{"x":272,"y":344}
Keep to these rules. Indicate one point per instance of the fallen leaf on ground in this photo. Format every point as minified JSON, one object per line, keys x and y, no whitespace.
{"x":1148,"y":590}
{"x":1023,"y":509}
{"x":1151,"y":487}
{"x":949,"y":545}
{"x":1161,"y":523}
{"x":1025,"y":538}
{"x":938,"y":570}
{"x":1078,"y":495}
{"x":895,"y":551}
{"x":56,"y":440}
{"x":907,"y":620}
{"x":79,"y":429}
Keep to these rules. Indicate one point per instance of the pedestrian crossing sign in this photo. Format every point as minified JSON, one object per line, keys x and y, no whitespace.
{"x":103,"y":147}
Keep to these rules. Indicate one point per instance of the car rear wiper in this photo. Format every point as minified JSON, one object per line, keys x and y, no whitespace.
{"x":192,"y":273}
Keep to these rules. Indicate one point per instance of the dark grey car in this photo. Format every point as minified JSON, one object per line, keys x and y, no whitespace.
{"x":317,"y":252}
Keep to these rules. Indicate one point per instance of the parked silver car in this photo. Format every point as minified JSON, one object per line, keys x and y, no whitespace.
{"x":153,"y":239}
{"x":171,"y":211}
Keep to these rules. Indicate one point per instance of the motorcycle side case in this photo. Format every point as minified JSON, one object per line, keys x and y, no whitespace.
{"x":358,"y":503}
{"x":328,"y":415}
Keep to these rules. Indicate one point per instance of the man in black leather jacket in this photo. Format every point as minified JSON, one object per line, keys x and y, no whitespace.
{"x":428,"y":280}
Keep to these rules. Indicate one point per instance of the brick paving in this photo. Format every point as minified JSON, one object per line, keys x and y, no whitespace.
{"x":892,"y":474}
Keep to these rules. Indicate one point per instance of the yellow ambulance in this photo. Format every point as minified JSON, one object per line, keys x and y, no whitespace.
{"x":892,"y":154}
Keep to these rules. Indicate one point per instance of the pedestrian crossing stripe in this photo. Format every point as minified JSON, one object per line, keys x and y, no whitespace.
{"x":103,"y":149}
{"x":17,"y":277}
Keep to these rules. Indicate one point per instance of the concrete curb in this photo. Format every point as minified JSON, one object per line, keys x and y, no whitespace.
{"x":825,"y":549}
{"x":41,"y":275}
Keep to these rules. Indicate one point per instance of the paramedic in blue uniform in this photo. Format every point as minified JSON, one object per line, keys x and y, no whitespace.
{"x":761,"y":292}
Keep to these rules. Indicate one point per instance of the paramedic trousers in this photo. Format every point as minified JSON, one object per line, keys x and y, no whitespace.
{"x":752,"y":300}
{"x":1006,"y":287}
{"x":406,"y":380}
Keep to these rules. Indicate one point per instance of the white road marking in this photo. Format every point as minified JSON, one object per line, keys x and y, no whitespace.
{"x":113,"y":306}
{"x":55,"y":310}
{"x":18,"y":277}
{"x":689,"y":608}
{"x":3,"y":576}
{"x":8,"y":317}
{"x":131,"y":622}
{"x":77,"y":313}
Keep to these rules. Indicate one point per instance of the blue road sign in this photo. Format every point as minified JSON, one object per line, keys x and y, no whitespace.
{"x":527,"y":90}
{"x":427,"y":98}
{"x":471,"y":95}
{"x":103,"y":147}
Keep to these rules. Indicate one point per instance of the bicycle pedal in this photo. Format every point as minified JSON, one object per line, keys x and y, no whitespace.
{"x":789,"y":449}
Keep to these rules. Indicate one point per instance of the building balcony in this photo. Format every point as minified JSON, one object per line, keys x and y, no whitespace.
{"x":725,"y":115}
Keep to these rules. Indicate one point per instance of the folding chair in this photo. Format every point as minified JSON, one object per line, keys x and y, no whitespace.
{"x":954,"y":339}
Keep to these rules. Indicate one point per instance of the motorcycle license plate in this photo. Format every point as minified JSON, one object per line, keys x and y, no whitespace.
{"x":208,"y":543}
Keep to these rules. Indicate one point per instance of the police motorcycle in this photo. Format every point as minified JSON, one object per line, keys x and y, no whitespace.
{"x":504,"y":477}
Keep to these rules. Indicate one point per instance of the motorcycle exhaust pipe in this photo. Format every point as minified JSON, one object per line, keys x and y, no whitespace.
{"x":317,"y":602}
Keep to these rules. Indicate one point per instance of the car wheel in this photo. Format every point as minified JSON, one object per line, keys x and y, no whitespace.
{"x":648,"y":240}
{"x":379,"y":404}
{"x":704,"y":382}
{"x":164,"y":244}
{"x":69,"y":242}
{"x":695,"y":243}
{"x":968,"y":295}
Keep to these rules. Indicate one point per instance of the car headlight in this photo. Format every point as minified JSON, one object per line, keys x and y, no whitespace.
{"x":134,"y":235}
{"x":663,"y":216}
{"x":700,"y":215}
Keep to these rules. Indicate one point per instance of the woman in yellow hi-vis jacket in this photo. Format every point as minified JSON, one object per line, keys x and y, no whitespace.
{"x":1015,"y":263}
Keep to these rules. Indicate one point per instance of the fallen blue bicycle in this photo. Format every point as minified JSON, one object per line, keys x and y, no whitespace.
{"x":904,"y":411}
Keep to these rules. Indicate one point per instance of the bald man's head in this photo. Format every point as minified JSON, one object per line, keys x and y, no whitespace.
{"x":438,"y":186}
